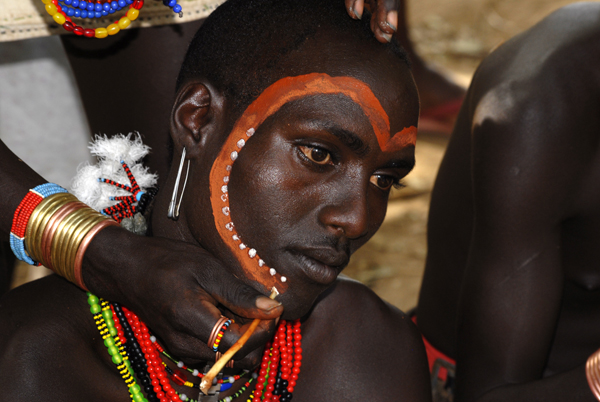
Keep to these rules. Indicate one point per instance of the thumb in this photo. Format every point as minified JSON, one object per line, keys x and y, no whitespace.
{"x":243,"y":299}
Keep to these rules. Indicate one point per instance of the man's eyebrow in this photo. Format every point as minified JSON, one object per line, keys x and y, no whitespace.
{"x":407,"y":163}
{"x":346,"y":137}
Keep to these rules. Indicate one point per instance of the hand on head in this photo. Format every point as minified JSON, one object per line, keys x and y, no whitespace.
{"x":384,"y":21}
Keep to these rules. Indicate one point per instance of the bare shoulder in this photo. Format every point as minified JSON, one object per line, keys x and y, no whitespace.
{"x":46,"y":344}
{"x":369,"y":340}
{"x":552,"y":61}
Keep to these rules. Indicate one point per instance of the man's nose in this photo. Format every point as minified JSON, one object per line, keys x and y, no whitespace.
{"x":347,"y":214}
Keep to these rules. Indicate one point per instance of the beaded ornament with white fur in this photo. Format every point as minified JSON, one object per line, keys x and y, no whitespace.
{"x":110,"y":152}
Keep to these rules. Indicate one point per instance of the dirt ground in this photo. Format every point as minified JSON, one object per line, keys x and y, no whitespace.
{"x":452,"y":35}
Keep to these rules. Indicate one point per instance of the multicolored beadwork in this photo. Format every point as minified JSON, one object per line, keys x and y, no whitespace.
{"x":136,"y":354}
{"x":215,"y":346}
{"x":22,"y":215}
{"x":103,"y":316}
{"x":125,"y":208}
{"x":62,"y":11}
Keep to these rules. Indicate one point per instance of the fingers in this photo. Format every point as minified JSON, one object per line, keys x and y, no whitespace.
{"x":384,"y":19}
{"x":355,"y":8}
{"x":263,"y":333}
{"x":244,"y":300}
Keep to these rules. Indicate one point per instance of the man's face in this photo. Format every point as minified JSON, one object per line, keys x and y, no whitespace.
{"x":310,"y":182}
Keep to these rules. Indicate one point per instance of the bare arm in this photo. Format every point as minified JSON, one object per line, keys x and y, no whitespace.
{"x":140,"y":272}
{"x":529,"y":157}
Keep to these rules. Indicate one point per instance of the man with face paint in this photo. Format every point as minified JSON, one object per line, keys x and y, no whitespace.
{"x":511,"y":283}
{"x":293,"y":136}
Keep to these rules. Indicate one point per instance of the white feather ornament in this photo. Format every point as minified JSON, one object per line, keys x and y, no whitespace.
{"x":110,"y":152}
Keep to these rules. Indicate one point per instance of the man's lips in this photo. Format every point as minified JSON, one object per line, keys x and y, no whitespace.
{"x":322,"y":265}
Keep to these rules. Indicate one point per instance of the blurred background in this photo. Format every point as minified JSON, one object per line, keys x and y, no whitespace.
{"x":41,"y":117}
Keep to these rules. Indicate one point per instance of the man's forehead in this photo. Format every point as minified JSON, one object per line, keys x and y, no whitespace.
{"x":289,"y":89}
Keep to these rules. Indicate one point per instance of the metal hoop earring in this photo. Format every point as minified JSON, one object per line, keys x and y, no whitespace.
{"x":173,"y":212}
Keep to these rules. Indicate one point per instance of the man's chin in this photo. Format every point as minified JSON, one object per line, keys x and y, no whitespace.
{"x":298,"y":304}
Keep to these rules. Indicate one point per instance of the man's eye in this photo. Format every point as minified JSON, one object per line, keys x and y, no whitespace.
{"x":316,"y":155}
{"x":382,"y":181}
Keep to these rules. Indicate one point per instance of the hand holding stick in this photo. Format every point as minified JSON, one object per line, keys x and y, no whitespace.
{"x":218,"y":366}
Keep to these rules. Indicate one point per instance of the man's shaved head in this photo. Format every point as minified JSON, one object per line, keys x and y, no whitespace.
{"x":242,"y":46}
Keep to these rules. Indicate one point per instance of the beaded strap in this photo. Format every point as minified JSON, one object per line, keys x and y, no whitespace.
{"x":22,"y":215}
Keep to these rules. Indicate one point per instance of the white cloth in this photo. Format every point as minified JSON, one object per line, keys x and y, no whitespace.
{"x":23,"y":19}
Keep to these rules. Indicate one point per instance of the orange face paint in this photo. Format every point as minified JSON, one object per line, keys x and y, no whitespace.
{"x":269,"y":102}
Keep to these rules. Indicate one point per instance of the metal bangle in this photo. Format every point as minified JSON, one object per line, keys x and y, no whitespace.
{"x":83,"y":247}
{"x":592,"y":374}
{"x":50,"y":230}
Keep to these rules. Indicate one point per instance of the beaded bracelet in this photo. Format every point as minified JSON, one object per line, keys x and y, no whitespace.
{"x":215,"y":331}
{"x":23,"y":214}
{"x":55,"y":229}
{"x":220,"y":334}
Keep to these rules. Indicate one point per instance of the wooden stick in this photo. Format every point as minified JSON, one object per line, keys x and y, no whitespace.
{"x":218,"y":366}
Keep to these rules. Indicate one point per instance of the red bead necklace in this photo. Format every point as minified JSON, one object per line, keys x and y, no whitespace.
{"x":279,"y":370}
{"x":280,"y":364}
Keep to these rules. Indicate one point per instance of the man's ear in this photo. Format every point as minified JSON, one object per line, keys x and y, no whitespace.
{"x":193,"y":111}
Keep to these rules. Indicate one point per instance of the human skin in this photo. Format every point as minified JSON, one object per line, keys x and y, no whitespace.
{"x":340,"y":203}
{"x":144,"y":106}
{"x":149,"y":275}
{"x":511,"y":281}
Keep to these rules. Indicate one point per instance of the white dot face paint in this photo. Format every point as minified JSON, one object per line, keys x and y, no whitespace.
{"x":230,"y":154}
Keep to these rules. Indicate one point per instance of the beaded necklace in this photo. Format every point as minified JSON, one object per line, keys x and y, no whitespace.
{"x":135,"y":352}
{"x":62,"y":11}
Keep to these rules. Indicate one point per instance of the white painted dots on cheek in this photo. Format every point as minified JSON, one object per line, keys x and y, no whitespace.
{"x":225,"y":198}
